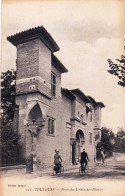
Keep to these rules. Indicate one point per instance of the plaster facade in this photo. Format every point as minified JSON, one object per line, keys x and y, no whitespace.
{"x":67,"y":121}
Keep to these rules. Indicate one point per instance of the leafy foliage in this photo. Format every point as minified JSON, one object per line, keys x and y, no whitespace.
{"x":105,"y":144}
{"x":118,"y":70}
{"x":111,"y":142}
{"x":8,"y":96}
{"x":8,"y":135}
{"x":10,"y":147}
{"x":120,"y":141}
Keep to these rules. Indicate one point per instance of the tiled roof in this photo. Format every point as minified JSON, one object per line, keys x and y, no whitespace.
{"x":30,"y":34}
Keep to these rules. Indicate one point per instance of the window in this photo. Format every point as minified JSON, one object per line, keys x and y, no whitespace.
{"x":51,"y":126}
{"x":53,"y":85}
{"x":91,"y":116}
{"x":90,"y":138}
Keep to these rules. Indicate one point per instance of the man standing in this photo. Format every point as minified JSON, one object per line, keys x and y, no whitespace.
{"x":84,"y":158}
{"x":102,"y":156}
{"x":57,"y":161}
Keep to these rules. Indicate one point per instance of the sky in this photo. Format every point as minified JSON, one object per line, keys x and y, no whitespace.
{"x":88,"y":33}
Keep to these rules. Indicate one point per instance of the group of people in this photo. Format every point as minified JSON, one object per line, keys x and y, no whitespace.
{"x":84,"y":158}
{"x":58,"y":159}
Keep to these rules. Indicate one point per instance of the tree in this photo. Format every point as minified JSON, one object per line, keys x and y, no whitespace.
{"x":9,"y":144}
{"x":8,"y":96}
{"x":8,"y":135}
{"x":118,"y":69}
{"x":105,"y":144}
{"x":120,"y":141}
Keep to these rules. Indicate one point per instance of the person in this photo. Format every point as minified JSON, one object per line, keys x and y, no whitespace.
{"x":102,"y":156}
{"x":84,"y":159}
{"x":57,"y":161}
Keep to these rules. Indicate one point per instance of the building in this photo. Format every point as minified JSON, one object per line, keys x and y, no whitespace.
{"x":50,"y":117}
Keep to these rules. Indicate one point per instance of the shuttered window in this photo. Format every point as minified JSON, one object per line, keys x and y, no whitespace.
{"x":53,"y":85}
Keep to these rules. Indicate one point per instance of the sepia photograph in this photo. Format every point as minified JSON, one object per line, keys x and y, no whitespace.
{"x":62,"y":114}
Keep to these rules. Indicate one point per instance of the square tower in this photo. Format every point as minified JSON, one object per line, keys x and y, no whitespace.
{"x":35,"y":86}
{"x":34,"y":55}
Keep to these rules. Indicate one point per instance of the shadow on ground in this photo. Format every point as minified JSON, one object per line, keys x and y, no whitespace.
{"x":117,"y":172}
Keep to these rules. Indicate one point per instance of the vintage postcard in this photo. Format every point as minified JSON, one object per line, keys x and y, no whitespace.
{"x":62,"y":98}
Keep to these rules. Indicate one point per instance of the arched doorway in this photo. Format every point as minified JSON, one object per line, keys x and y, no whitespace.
{"x":77,"y":146}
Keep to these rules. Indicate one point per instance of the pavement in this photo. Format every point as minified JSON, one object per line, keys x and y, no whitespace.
{"x":100,"y":180}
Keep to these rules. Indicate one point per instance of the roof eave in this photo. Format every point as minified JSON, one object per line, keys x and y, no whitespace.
{"x":38,"y":32}
{"x":92,"y":100}
{"x":56,"y":62}
{"x":82,"y":95}
{"x":100,"y":104}
{"x":68,"y":93}
{"x":96,"y":103}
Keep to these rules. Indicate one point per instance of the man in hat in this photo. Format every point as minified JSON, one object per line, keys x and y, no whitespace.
{"x":84,"y":158}
{"x":57,"y":160}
